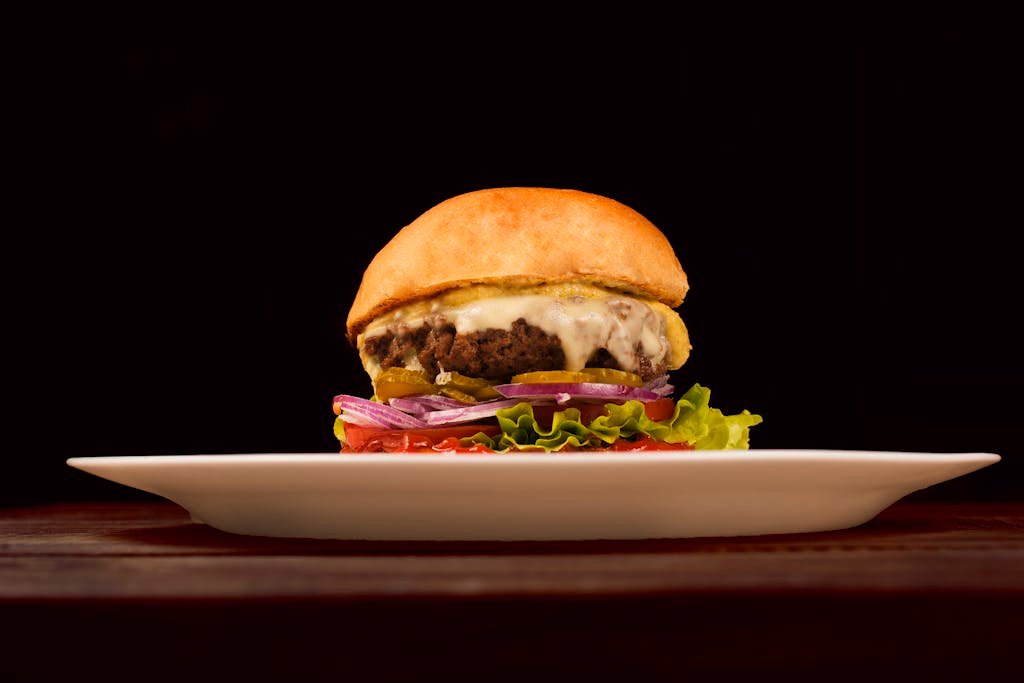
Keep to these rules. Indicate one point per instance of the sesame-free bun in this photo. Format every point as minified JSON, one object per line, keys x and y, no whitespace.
{"x":519,"y":236}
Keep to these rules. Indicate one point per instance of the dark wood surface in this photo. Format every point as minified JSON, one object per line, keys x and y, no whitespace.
{"x":923,"y":588}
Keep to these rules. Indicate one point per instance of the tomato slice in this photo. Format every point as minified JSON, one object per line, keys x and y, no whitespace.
{"x":660,"y":409}
{"x":453,"y":444}
{"x":375,"y":439}
{"x":646,"y":443}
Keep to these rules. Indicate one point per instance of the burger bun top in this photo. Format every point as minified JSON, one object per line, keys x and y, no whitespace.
{"x":520,"y":236}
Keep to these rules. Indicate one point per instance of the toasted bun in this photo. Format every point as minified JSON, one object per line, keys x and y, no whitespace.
{"x":518,"y":236}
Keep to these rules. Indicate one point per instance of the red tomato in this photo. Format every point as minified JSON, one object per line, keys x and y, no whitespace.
{"x":453,"y":444}
{"x":646,"y":443}
{"x":660,"y":409}
{"x":374,"y":439}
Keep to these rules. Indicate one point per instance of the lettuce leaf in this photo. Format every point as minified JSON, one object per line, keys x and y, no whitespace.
{"x":694,"y":423}
{"x":519,"y":430}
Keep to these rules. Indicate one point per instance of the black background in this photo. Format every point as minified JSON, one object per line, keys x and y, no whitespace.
{"x":841,"y":211}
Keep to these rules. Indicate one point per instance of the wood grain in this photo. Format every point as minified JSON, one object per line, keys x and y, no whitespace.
{"x":924,"y":589}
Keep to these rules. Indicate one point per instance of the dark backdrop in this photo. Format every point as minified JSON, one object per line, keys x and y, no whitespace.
{"x":840,"y":211}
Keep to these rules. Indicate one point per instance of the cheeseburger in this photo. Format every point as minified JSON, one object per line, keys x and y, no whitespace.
{"x":526,"y":319}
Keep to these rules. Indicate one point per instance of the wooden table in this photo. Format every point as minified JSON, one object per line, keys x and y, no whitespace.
{"x":135,"y":591}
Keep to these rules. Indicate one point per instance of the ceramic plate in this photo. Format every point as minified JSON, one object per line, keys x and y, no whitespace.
{"x":661,"y":494}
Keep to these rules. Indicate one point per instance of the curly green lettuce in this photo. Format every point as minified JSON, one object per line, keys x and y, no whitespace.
{"x":693,"y":423}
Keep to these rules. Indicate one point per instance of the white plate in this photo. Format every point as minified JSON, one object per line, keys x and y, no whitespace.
{"x":535,"y":497}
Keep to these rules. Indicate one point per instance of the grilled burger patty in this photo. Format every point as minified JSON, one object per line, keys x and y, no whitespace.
{"x":492,"y":353}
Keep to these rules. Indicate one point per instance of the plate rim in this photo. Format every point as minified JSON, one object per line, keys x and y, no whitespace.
{"x":546,"y":459}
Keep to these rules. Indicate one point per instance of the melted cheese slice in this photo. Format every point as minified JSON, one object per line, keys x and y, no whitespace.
{"x":584,"y":317}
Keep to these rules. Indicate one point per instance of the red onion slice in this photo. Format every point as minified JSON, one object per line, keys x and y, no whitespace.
{"x":582,"y":390}
{"x":659,"y":381}
{"x":472,"y":412}
{"x":424,"y":403}
{"x":351,"y":418}
{"x":384,"y":415}
{"x":660,"y":386}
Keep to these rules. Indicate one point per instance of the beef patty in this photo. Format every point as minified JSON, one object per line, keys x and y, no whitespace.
{"x":492,"y":354}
